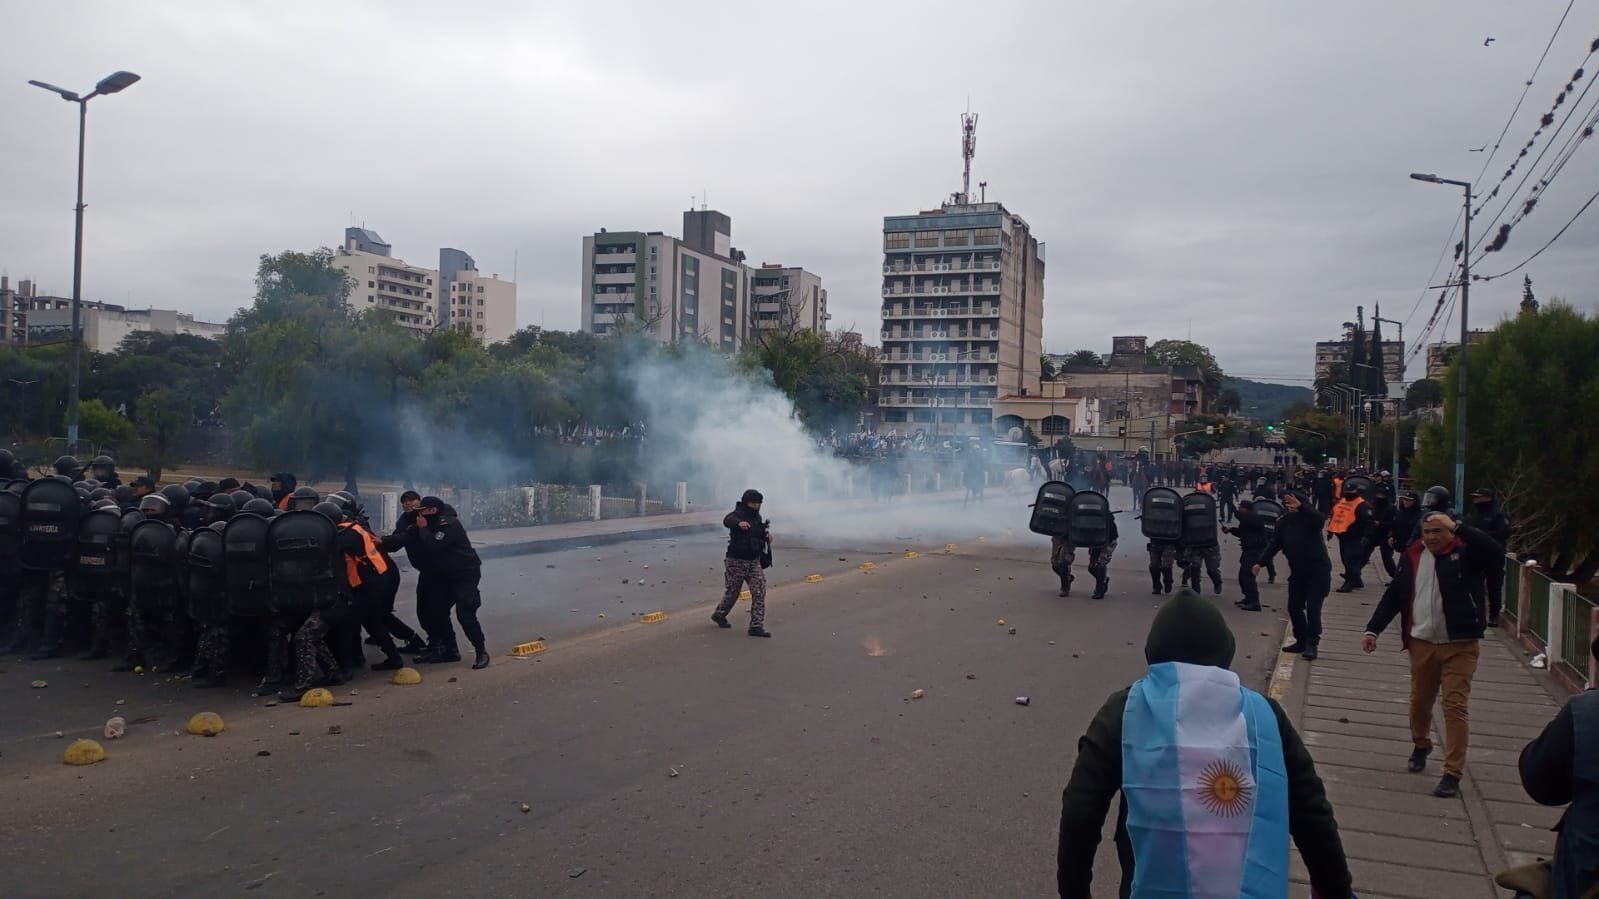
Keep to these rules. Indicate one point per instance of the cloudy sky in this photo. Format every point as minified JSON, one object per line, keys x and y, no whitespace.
{"x":1231,"y":170}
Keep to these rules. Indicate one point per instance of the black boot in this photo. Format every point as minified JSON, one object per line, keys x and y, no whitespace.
{"x":268,"y":688}
{"x":1066,"y":585}
{"x":414,"y":646}
{"x":393,"y":663}
{"x":1154,"y":580}
{"x":1216,"y":581}
{"x":720,"y":619}
{"x":1166,"y":578}
{"x":482,"y":660}
{"x":1101,"y":584}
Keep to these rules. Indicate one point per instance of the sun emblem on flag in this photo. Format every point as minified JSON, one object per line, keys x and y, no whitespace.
{"x":1225,"y":790}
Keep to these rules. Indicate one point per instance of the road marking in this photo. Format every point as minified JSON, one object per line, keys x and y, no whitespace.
{"x":868,"y":566}
{"x":652,"y":617}
{"x":528,"y":649}
{"x":812,"y":578}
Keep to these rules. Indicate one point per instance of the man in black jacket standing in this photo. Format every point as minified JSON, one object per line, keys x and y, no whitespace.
{"x":453,"y":567}
{"x":1438,"y":597}
{"x":747,"y":540}
{"x":1253,"y":541}
{"x":1299,"y":539}
{"x":1488,"y":516}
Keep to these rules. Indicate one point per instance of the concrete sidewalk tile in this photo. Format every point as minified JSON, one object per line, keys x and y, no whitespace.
{"x":1392,"y":746}
{"x":1392,"y":781}
{"x":1525,"y":812}
{"x":1360,"y":820}
{"x":1324,"y":725}
{"x":1381,"y":799}
{"x":1517,"y":859}
{"x":1515,"y":837}
{"x":1499,"y":792}
{"x":1365,"y":760}
{"x":1415,"y":850}
{"x":1408,"y":882}
{"x":1398,"y":718}
{"x":1384,"y":706}
{"x":1491,"y":772}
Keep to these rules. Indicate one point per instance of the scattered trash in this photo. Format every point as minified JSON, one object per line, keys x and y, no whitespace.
{"x":451,"y":680}
{"x":294,"y":733}
{"x":1343,"y":720}
{"x":877,"y":740}
{"x":602,"y":614}
{"x":355,"y":692}
{"x":1052,"y":643}
{"x":1074,"y":655}
{"x":39,"y":684}
{"x":646,"y":567}
{"x":206,"y":724}
{"x":918,"y":694}
{"x":138,"y":669}
{"x":271,"y":705}
{"x":115,"y":727}
{"x":84,"y":752}
{"x":525,"y":807}
{"x":1001,"y":622}
{"x":575,"y":873}
{"x":624,"y":580}
{"x":263,"y":753}
{"x":971,"y":677}
{"x":1539,"y":661}
{"x":334,"y":730}
{"x":121,"y":701}
{"x":549,"y":566}
{"x":671,"y":772}
{"x":1013,"y":632}
{"x":1024,"y":700}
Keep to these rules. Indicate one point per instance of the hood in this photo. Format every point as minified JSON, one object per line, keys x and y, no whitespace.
{"x":1189,"y":629}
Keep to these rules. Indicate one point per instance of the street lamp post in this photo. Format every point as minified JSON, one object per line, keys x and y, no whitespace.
{"x":110,"y":84}
{"x":1352,"y":403}
{"x":1465,"y":298}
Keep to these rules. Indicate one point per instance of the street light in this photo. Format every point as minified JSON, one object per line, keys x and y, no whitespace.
{"x":110,"y":84}
{"x":1465,"y":297}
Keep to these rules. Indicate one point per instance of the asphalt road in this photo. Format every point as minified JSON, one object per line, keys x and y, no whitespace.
{"x":665,"y":759}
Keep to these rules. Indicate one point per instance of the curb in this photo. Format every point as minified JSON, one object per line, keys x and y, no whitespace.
{"x":557,"y":544}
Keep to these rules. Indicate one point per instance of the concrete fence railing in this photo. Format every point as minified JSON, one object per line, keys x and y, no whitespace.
{"x":1552,"y":617}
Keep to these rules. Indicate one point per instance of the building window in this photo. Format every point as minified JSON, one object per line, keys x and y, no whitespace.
{"x":371,"y":284}
{"x":898,"y":240}
{"x":955,"y":238}
{"x":369,"y":298}
{"x":927,"y":238}
{"x":987,"y":237}
{"x":370,"y":269}
{"x":480,"y":289}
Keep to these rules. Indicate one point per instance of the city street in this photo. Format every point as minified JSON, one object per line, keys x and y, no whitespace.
{"x":670,"y":758}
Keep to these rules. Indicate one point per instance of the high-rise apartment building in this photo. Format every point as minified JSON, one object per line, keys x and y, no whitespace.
{"x":14,"y":311}
{"x":483,"y":306}
{"x":694,"y":288}
{"x":787,"y":298}
{"x":381,"y":281}
{"x":963,"y":315}
{"x":1331,"y":353}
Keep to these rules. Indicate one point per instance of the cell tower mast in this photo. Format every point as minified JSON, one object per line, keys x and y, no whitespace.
{"x":968,"y":150}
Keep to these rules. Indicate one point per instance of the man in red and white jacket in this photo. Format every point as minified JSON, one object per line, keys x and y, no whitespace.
{"x":1439,"y":597}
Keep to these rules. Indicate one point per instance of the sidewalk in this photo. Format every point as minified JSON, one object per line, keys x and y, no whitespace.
{"x":1401,"y":840}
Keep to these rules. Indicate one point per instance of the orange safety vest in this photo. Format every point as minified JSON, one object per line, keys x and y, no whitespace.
{"x":283,"y":504}
{"x":1205,"y":487}
{"x":371,"y":554}
{"x":1338,"y":487}
{"x":1343,"y":515}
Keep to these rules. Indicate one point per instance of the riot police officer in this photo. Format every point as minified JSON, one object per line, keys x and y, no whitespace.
{"x":1351,"y":522}
{"x":448,"y":549}
{"x":104,"y":469}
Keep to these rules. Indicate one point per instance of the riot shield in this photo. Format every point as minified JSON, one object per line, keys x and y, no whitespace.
{"x":50,"y":512}
{"x":97,"y":569}
{"x":207,"y":584}
{"x":1269,"y":511}
{"x":246,"y":570}
{"x":1162,"y":514}
{"x":1049,"y":509}
{"x":302,"y":559}
{"x":1199,"y":519}
{"x":10,"y":525}
{"x":1088,"y":520}
{"x":150,"y":546}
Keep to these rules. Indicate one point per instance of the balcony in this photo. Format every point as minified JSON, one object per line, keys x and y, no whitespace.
{"x":627,"y":258}
{"x":615,"y":278}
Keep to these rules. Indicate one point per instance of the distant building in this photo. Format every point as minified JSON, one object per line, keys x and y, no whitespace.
{"x":1129,"y":386}
{"x":14,"y":311}
{"x":384,"y":282}
{"x":483,"y":306}
{"x":787,"y":298}
{"x":1052,"y":413}
{"x":105,"y":325}
{"x":694,"y":288}
{"x":1330,"y":353}
{"x":963,"y":312}
{"x":1440,"y":355}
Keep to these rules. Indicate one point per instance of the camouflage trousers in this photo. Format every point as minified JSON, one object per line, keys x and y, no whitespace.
{"x":1099,"y":559}
{"x":1161,"y":557}
{"x":738,"y":573}
{"x":105,"y":617}
{"x":313,"y":660}
{"x":41,"y":610}
{"x":211,"y":653}
{"x":159,"y":632}
{"x":1209,"y":556}
{"x":1062,"y":554}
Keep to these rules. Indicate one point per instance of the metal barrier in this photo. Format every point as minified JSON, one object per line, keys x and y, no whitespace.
{"x":1512,"y":587}
{"x":1538,"y":622}
{"x":1555,"y":618}
{"x":1577,"y":620}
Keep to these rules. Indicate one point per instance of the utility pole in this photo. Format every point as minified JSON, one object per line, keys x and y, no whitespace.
{"x":1465,"y":334}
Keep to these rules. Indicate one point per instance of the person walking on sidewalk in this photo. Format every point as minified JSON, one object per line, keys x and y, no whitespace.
{"x":1298,"y":538}
{"x":1488,"y":516}
{"x":1438,"y":597}
{"x":748,"y":539}
{"x":1213,"y":778}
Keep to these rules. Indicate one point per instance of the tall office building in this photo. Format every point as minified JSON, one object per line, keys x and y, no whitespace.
{"x":379,"y":281}
{"x":788,"y":298}
{"x":483,"y":306}
{"x":963,"y":316}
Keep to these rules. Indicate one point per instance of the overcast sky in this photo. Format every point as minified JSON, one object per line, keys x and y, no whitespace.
{"x":1239,"y":171}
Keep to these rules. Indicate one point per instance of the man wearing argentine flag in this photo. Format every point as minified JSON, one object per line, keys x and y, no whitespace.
{"x":1214,"y":780}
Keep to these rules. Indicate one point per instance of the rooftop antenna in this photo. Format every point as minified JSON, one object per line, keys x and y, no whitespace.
{"x":968,"y":150}
{"x":982,"y":191}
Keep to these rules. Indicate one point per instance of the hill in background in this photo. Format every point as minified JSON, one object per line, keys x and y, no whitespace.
{"x":1263,"y":401}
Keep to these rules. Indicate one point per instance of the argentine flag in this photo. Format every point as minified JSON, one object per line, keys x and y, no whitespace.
{"x":1206,"y":787}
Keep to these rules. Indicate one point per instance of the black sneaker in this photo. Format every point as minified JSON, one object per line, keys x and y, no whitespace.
{"x":1493,"y":620}
{"x":1448,"y":787}
{"x":1248,"y":606}
{"x":760,"y":632}
{"x":481,"y":660}
{"x":1344,"y":588}
{"x":720,"y":619}
{"x":414,"y":647}
{"x":1294,"y":647}
{"x":1309,"y":654}
{"x":1418,"y":761}
{"x":392,"y":663}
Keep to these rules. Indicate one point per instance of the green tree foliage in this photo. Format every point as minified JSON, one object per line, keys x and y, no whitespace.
{"x":1314,"y":434}
{"x":1228,"y":400}
{"x":1084,"y":359}
{"x":101,"y":427}
{"x":1186,"y":352}
{"x":1424,"y":394}
{"x":1534,"y":390}
{"x":1046,"y":369}
{"x":827,"y":383}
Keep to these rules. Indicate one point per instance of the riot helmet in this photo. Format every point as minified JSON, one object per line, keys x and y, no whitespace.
{"x":303,"y":499}
{"x":123,"y":495}
{"x":219,"y":508}
{"x":259,"y":506}
{"x":331,"y":510}
{"x":155,"y":505}
{"x":100,"y":493}
{"x":1352,"y":490}
{"x":103,"y":467}
{"x":204,"y":490}
{"x":68,"y":465}
{"x":1437,"y":499}
{"x":238,"y":498}
{"x":191,"y":485}
{"x":177,"y":495}
{"x":105,"y":502}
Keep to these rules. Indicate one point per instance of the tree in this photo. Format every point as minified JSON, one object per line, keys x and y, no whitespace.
{"x":163,"y":414}
{"x":1314,"y":434}
{"x":1534,"y":383}
{"x":1186,"y":352}
{"x":1424,"y":394}
{"x":1046,"y":369}
{"x":1228,"y":401}
{"x":1376,"y":379}
{"x":102,"y":428}
{"x":1084,"y":359}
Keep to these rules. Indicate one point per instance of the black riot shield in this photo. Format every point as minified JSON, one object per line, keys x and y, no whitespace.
{"x":303,"y":560}
{"x":1088,"y":520}
{"x":206,"y":577}
{"x":1049,"y":509}
{"x":1199,"y":519}
{"x":1161,"y":514}
{"x":1268,"y":511}
{"x":10,"y":527}
{"x":50,"y":512}
{"x":249,"y":581}
{"x":150,"y":546}
{"x":97,"y":571}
